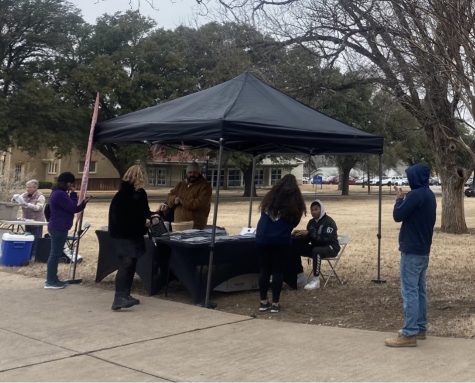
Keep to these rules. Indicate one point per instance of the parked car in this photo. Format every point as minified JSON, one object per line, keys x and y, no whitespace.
{"x":305,"y":180}
{"x":330,"y":180}
{"x":470,"y":192}
{"x":434,"y":181}
{"x":469,"y":182}
{"x":397,"y":180}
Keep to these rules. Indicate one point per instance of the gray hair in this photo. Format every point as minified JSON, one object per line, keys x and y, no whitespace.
{"x":33,"y":182}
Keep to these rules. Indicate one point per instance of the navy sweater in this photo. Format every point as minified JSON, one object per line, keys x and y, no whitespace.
{"x":416,"y":212}
{"x":271,"y":231}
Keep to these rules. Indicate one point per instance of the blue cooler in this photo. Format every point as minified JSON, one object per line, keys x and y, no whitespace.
{"x":16,"y":249}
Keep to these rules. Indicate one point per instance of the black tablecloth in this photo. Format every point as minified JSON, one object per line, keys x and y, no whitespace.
{"x":151,"y":267}
{"x":189,"y":262}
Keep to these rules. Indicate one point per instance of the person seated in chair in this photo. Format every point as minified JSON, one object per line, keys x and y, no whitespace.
{"x":322,"y":234}
{"x":191,"y":198}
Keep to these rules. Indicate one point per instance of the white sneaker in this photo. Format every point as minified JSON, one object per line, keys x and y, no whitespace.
{"x":301,"y":280}
{"x":313,"y":284}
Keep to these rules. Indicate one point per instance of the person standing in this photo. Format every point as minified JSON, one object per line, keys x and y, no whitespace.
{"x":191,"y":198}
{"x":128,"y":214}
{"x":281,"y":211}
{"x":63,"y":204}
{"x":417,"y":212}
{"x":32,"y":204}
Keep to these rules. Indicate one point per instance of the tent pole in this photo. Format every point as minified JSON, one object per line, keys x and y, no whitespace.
{"x":380,"y":202}
{"x":213,"y":233}
{"x":252,"y":190}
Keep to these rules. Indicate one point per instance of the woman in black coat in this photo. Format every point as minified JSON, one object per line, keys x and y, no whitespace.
{"x":128,"y":216}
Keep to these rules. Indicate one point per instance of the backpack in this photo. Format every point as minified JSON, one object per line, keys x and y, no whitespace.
{"x":47,"y":212}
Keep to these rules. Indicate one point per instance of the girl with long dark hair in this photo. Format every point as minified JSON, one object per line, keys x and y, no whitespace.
{"x":281,"y":211}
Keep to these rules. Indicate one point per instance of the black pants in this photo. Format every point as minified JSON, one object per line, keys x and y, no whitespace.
{"x":319,"y":253}
{"x":272,"y":260}
{"x":128,"y":251}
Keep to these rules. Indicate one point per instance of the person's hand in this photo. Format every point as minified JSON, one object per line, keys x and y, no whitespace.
{"x":299,"y":233}
{"x":87,"y":199}
{"x":18,"y":199}
{"x":177,"y":201}
{"x":399,"y":193}
{"x":163,"y":207}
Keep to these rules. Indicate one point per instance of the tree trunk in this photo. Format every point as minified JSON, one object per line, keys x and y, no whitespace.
{"x":108,"y":151}
{"x":452,"y":177}
{"x":344,"y":180}
{"x":247,"y":182}
{"x":453,"y":214}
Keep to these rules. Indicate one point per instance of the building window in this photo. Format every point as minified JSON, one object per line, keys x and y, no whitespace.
{"x":92,"y":166}
{"x":212,"y":175}
{"x":18,"y":171}
{"x":259,"y":177}
{"x":275,"y":175}
{"x":157,"y":176}
{"x":52,"y":167}
{"x":234,"y":177}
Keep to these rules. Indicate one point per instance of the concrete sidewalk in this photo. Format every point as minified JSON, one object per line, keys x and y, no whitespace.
{"x":72,"y":335}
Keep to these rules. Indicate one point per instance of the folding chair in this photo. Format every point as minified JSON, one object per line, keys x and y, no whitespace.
{"x":343,"y":240}
{"x":72,"y":240}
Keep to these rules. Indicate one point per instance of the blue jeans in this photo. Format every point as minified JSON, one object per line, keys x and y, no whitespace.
{"x":37,"y":232}
{"x":58,"y":239}
{"x":413,"y":292}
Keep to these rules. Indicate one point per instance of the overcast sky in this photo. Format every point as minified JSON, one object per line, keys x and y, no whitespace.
{"x":168,"y":14}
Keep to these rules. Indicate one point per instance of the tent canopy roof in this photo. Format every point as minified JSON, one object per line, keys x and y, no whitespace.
{"x":249,"y":115}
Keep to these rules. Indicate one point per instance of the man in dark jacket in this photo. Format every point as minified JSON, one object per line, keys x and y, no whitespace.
{"x":322,"y":233}
{"x":417,"y":211}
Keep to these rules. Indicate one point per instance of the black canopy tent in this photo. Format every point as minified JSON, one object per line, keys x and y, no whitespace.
{"x":243,"y":114}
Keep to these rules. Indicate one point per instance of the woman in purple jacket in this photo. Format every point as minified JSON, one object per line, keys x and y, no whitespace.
{"x":63,"y":204}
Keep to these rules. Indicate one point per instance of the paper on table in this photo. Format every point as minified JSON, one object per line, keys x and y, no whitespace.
{"x":196,"y":239}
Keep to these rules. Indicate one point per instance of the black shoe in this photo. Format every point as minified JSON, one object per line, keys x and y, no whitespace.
{"x":122,"y":302}
{"x":135,"y":300}
{"x":55,"y":285}
{"x":275,"y":308}
{"x":264,"y":306}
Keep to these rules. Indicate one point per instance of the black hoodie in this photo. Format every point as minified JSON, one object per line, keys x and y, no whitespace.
{"x":323,"y":231}
{"x":416,"y":211}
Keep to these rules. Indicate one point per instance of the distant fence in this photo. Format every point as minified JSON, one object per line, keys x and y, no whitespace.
{"x":101,"y":183}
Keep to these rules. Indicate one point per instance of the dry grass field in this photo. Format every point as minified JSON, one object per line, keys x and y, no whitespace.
{"x":359,"y":303}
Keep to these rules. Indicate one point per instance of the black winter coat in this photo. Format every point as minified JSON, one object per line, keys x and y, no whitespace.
{"x":323,"y":233}
{"x":128,"y":212}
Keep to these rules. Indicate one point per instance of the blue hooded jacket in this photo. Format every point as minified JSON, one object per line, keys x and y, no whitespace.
{"x":416,"y":211}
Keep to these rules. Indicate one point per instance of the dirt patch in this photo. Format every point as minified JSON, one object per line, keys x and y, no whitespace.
{"x":359,"y":303}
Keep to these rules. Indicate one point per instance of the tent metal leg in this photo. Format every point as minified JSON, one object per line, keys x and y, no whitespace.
{"x":213,"y":233}
{"x":252,"y":190}
{"x":380,"y":201}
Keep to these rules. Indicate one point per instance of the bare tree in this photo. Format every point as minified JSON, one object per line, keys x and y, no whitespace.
{"x":420,"y":50}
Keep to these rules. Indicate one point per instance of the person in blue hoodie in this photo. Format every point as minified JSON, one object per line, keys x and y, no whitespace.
{"x":417,"y":212}
{"x":281,"y":211}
